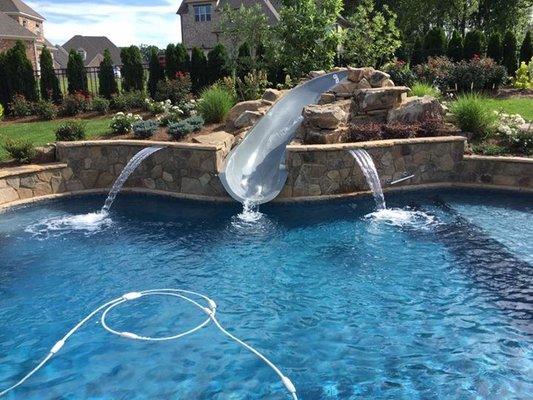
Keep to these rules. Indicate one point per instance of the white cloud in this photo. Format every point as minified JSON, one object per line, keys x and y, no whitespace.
{"x":123,"y":23}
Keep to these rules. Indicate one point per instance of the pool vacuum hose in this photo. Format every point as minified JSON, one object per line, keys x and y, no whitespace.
{"x":186,"y":295}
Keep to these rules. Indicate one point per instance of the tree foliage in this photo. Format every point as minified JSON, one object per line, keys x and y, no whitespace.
{"x":16,"y":75}
{"x":198,"y":70}
{"x":494,"y":47}
{"x":435,"y":42}
{"x":132,"y":69}
{"x":182,"y":58}
{"x":374,"y":37}
{"x":417,"y":56}
{"x":76,"y":74}
{"x":474,"y":44}
{"x":156,"y":73}
{"x":171,"y":61}
{"x":49,"y":82}
{"x":509,"y":59}
{"x":107,"y":84}
{"x":455,"y":47}
{"x":217,"y":63}
{"x":526,"y":50}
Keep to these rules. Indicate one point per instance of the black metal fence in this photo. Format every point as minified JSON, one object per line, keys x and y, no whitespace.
{"x":92,"y":78}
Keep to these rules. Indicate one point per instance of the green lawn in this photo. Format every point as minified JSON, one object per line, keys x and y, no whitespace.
{"x":43,"y":132}
{"x":522,"y":106}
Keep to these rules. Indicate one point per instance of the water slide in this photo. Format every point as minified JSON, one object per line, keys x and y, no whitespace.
{"x":254,"y":171}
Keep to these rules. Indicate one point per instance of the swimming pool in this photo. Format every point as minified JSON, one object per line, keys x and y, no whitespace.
{"x":430,"y":303}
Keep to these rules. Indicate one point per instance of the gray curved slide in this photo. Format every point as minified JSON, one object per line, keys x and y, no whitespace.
{"x":254,"y":171}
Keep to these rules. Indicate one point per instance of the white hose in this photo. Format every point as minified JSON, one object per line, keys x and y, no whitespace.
{"x":210,"y":310}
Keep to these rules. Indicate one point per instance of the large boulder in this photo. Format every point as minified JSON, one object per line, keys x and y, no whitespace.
{"x":216,"y":138}
{"x":272,"y":95}
{"x":356,"y":74}
{"x":239,"y":108}
{"x":379,"y":98}
{"x":247,"y":118}
{"x":323,"y":136}
{"x":325,"y":116}
{"x":416,"y":109}
{"x":378,"y":78}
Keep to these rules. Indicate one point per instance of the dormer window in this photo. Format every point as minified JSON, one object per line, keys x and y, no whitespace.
{"x":82,"y":53}
{"x":202,"y":12}
{"x":24,"y":23}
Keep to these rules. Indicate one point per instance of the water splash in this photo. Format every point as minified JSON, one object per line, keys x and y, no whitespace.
{"x":371,"y":175}
{"x":403,"y":217}
{"x":250,"y":212}
{"x":131,"y":166}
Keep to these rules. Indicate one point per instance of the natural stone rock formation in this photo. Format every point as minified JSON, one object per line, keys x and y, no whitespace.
{"x":378,"y":78}
{"x":327,"y":116}
{"x":239,"y":108}
{"x":272,"y":95}
{"x":379,"y":98}
{"x":326,"y":98}
{"x":216,"y":138}
{"x":416,"y":109}
{"x":247,"y":118}
{"x":356,"y":74}
{"x":315,"y":74}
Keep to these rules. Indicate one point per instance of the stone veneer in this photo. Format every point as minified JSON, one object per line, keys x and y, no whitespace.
{"x":315,"y":171}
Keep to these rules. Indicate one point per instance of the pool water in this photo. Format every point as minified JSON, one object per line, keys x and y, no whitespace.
{"x":431,"y":300}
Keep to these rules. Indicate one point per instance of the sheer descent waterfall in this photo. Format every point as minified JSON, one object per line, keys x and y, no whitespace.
{"x":371,"y":174}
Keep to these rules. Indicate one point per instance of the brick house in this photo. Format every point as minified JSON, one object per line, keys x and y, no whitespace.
{"x":18,"y":21}
{"x":200,"y":20}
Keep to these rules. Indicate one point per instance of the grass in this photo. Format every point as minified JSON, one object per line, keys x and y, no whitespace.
{"x":42,"y":132}
{"x":422,"y":89}
{"x":472,"y":115}
{"x":522,"y":106}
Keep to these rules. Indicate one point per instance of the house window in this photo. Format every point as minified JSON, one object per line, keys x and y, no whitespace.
{"x":202,"y":12}
{"x":82,"y":53}
{"x":24,"y":23}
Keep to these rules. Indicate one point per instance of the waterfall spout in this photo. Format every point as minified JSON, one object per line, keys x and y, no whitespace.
{"x":371,"y":175}
{"x":131,"y":166}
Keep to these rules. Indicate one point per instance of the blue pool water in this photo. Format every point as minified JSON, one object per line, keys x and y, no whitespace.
{"x":430,"y":303}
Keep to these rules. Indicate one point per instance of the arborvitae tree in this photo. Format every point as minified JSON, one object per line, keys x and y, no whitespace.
{"x":182,"y":57}
{"x":417,"y":57}
{"x":217,"y":63}
{"x":49,"y":83}
{"x":244,"y":60}
{"x":474,"y":43}
{"x":435,"y":43}
{"x":198,"y":69}
{"x":20,"y":75}
{"x":494,"y":47}
{"x":132,"y":69}
{"x":171,"y":61}
{"x":76,"y":74}
{"x":455,"y":47}
{"x":106,"y":77}
{"x":509,"y":53}
{"x":156,"y":72}
{"x":526,"y":50}
{"x":5,"y":88}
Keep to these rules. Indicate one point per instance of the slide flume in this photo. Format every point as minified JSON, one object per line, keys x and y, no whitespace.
{"x":254,"y":171}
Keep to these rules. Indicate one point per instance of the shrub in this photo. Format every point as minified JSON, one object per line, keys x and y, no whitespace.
{"x":522,"y":79}
{"x":170,"y":118}
{"x":435,"y":43}
{"x":400,"y":73}
{"x":512,"y":136}
{"x":198,"y":69}
{"x":76,"y":74}
{"x":128,"y":100}
{"x":176,"y":90}
{"x":436,"y":72}
{"x":70,"y":131}
{"x":430,"y":127}
{"x":1,"y":112}
{"x":399,"y":130}
{"x":20,"y":107}
{"x":74,"y":104}
{"x":489,"y":149}
{"x":101,"y":105}
{"x":145,"y":129}
{"x":217,"y":63}
{"x":494,"y":47}
{"x":477,"y":74}
{"x":423,"y":89}
{"x":364,"y":132}
{"x":474,"y":44}
{"x":455,"y":47}
{"x":45,"y":110}
{"x":252,"y":86}
{"x":526,"y":50}
{"x":123,"y":123}
{"x":107,"y":84}
{"x":509,"y":59}
{"x":472,"y":116}
{"x":215,"y":103}
{"x":180,"y":129}
{"x":22,"y":151}
{"x":521,"y":142}
{"x":417,"y":57}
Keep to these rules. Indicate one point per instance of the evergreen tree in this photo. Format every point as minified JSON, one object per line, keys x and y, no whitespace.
{"x":455,"y":47}
{"x":198,"y":69}
{"x":182,"y":57}
{"x":494,"y":47}
{"x":5,"y":88}
{"x":435,"y":43}
{"x":19,"y":71}
{"x":417,"y":57}
{"x":157,"y":73}
{"x":244,"y":60}
{"x":217,"y":63}
{"x":76,"y":74}
{"x":171,"y":61}
{"x":132,"y":69}
{"x":509,"y":59}
{"x":49,"y":83}
{"x":106,"y":77}
{"x":474,"y":42}
{"x":526,"y":50}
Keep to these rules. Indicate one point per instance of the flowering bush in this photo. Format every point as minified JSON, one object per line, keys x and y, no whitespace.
{"x":437,"y":71}
{"x":20,"y":107}
{"x":400,"y":73}
{"x":511,"y":134}
{"x":123,"y":123}
{"x":76,"y":103}
{"x":176,"y":90}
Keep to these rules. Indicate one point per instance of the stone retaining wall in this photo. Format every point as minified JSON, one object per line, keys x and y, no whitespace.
{"x":328,"y":170}
{"x":509,"y":172}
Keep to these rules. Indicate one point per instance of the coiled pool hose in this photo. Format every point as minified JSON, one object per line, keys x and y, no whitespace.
{"x":209,"y":310}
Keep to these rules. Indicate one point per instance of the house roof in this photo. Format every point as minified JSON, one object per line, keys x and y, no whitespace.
{"x":19,"y":7}
{"x":93,"y":45}
{"x":60,"y":56}
{"x":12,"y":29}
{"x":268,"y":7}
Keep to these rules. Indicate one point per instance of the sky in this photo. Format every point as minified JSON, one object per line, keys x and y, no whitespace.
{"x":125,"y":22}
